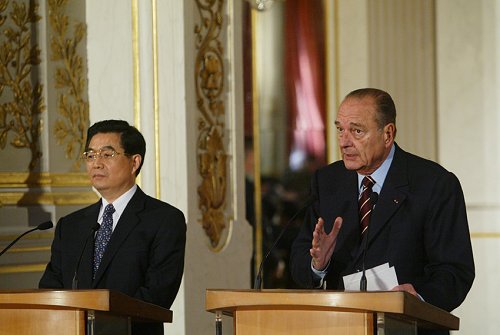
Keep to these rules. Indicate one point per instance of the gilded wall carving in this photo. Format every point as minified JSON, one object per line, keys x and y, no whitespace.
{"x":21,"y":99}
{"x":24,"y":101}
{"x":40,"y":44}
{"x":211,"y":147}
{"x":71,"y":128}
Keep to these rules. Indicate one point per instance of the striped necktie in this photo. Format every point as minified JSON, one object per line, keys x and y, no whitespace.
{"x":365,"y":205}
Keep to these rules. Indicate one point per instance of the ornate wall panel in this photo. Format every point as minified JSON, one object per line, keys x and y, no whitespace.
{"x":43,"y":121}
{"x":211,"y":144}
{"x":22,"y":102}
{"x":66,"y":36}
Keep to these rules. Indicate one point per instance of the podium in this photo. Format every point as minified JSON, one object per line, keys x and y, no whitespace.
{"x":300,"y":312}
{"x":75,"y":312}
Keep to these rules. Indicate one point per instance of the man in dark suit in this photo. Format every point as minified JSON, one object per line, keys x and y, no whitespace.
{"x":418,"y":225}
{"x":144,"y":257}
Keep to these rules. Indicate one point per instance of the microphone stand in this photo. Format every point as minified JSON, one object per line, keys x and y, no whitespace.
{"x":41,"y":226}
{"x":258,"y":279}
{"x":93,"y":229}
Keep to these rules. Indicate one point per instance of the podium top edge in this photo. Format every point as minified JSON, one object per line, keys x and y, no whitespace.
{"x":393,"y":302}
{"x":97,"y":300}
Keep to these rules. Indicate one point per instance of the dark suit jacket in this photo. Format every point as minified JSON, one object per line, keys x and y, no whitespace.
{"x":419,"y":225}
{"x":144,"y":258}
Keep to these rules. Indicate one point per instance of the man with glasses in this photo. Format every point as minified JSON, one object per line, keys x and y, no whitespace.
{"x":139,"y":241}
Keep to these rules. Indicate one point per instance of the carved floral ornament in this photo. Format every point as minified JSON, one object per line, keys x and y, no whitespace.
{"x":21,"y":98}
{"x":21,"y":95}
{"x":70,"y":81}
{"x":211,"y":147}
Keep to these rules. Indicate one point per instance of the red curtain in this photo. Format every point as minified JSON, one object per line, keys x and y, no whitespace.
{"x":248,"y":69}
{"x":305,"y":79}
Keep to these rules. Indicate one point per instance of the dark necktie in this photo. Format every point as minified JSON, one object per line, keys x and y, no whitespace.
{"x":103,"y":236}
{"x":365,"y":205}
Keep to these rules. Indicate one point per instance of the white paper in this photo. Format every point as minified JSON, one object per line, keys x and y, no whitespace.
{"x":379,"y":278}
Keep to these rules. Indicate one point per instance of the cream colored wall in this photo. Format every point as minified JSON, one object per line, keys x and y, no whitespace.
{"x":270,"y":77}
{"x":468,"y":63}
{"x":170,"y":169}
{"x":390,"y":45}
{"x":109,"y":49}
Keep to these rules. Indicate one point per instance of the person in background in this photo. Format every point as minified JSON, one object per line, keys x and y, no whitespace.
{"x":418,"y":225}
{"x":140,"y":241}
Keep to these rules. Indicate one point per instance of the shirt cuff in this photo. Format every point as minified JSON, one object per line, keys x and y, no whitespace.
{"x":320,"y":275}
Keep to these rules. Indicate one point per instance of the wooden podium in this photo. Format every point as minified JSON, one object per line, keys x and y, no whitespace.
{"x":77,"y":312}
{"x":294,"y":312}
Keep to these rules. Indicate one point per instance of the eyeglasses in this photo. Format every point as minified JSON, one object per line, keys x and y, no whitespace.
{"x":105,"y":154}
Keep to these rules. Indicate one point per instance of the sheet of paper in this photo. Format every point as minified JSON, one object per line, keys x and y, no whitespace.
{"x":379,"y":278}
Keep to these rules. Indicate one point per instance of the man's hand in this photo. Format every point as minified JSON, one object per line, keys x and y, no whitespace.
{"x":323,"y":244}
{"x":406,"y":287}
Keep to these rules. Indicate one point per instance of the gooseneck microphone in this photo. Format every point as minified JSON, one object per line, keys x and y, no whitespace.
{"x":363,"y":283}
{"x":258,"y":278}
{"x":93,"y":229}
{"x":42,"y":226}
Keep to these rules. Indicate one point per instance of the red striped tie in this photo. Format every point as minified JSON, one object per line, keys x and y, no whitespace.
{"x":365,"y":205}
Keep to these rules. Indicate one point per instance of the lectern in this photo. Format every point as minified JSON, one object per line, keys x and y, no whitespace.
{"x":78,"y":312}
{"x":294,"y":312}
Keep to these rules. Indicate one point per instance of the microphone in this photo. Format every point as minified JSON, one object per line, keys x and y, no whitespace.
{"x":93,"y":229}
{"x":42,"y":226}
{"x":258,"y":278}
{"x":362,"y":283}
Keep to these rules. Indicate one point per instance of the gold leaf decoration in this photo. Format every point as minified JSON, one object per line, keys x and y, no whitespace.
{"x":212,"y":157}
{"x":21,"y":99}
{"x":70,"y":129}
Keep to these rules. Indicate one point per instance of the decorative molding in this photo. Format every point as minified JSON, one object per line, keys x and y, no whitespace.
{"x":28,"y":249}
{"x":22,"y":101}
{"x":493,"y":235}
{"x":6,"y":269}
{"x":25,"y":179}
{"x":211,"y":150}
{"x":33,"y":236}
{"x":136,"y":64}
{"x":70,"y":79}
{"x":53,"y":198}
{"x":481,"y":205}
{"x":156,"y":99}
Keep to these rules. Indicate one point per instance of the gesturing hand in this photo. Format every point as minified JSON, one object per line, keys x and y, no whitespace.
{"x":323,"y":244}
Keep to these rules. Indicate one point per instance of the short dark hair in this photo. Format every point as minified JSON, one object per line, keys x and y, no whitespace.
{"x":131,"y":139}
{"x":386,"y":110}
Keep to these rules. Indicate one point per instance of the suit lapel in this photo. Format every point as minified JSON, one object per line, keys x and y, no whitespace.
{"x":392,"y":196}
{"x":128,"y":220}
{"x":348,"y":211}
